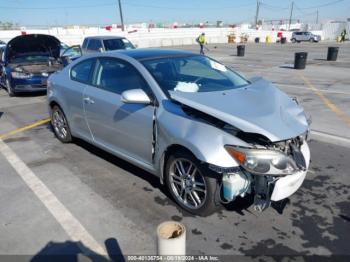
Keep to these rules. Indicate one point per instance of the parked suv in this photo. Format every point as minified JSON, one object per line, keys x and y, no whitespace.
{"x":95,"y":44}
{"x":305,"y":36}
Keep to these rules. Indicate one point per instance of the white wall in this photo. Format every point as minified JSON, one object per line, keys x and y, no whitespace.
{"x":158,"y":36}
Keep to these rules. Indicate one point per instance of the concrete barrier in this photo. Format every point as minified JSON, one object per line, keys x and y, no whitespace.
{"x":156,"y":37}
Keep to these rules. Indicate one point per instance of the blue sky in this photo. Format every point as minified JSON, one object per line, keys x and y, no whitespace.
{"x":101,"y":12}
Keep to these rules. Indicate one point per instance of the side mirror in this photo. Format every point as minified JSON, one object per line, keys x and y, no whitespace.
{"x":100,"y":50}
{"x":135,"y":96}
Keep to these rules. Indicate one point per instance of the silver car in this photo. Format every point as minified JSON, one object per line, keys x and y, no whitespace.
{"x":305,"y":37}
{"x":209,"y":134}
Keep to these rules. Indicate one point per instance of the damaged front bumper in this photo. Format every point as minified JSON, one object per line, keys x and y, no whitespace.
{"x":288,"y":185}
{"x":266,"y":188}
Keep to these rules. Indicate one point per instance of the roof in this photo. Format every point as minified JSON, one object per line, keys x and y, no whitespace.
{"x":105,"y":37}
{"x":152,"y":53}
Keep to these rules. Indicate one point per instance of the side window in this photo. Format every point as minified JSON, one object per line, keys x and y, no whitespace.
{"x":117,"y":76}
{"x":94,"y":44}
{"x":81,"y":72}
{"x":85,"y":43}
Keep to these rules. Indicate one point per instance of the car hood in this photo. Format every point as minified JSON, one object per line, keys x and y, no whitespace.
{"x":34,"y":43}
{"x":257,"y":108}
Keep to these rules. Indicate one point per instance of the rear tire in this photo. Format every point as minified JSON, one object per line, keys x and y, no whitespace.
{"x":60,"y":125}
{"x":192,"y":188}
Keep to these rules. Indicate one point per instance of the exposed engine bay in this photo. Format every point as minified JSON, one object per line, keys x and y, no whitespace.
{"x":38,"y":68}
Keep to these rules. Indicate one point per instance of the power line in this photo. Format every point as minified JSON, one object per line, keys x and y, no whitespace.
{"x":57,"y":7}
{"x":267,"y":6}
{"x":187,"y":8}
{"x":127,"y":3}
{"x":323,"y":5}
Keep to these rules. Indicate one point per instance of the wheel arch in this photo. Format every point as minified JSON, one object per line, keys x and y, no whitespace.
{"x":167,"y":153}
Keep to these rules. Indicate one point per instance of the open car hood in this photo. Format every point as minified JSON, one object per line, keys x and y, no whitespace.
{"x":34,"y":43}
{"x":258,"y":108}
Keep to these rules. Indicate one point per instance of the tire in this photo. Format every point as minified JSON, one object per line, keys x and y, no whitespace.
{"x":199,"y":189}
{"x":293,"y":40}
{"x":60,"y":125}
{"x":10,"y":90}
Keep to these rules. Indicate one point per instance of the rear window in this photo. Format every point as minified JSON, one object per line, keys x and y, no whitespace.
{"x":115,"y":44}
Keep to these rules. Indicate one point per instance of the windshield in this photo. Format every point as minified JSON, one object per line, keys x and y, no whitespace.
{"x":32,"y":58}
{"x":115,"y":44}
{"x":193,"y":74}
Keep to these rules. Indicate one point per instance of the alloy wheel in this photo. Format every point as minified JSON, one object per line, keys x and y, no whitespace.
{"x":59,"y":124}
{"x":187,"y":183}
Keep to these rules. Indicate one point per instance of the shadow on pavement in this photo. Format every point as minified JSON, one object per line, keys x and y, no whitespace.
{"x":240,"y":205}
{"x":290,"y":66}
{"x":70,"y":251}
{"x":31,"y":94}
{"x":136,"y":171}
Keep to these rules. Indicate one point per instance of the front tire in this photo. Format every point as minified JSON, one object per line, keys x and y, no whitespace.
{"x":189,"y":184}
{"x":60,"y":125}
{"x":10,"y":90}
{"x":293,"y":40}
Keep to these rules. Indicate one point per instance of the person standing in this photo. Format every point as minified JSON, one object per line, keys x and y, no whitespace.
{"x":343,"y":34}
{"x":201,"y":41}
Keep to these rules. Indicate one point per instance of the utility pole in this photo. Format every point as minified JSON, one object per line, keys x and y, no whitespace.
{"x":291,"y":14}
{"x":317,"y":17}
{"x":121,"y":14}
{"x":257,"y":13}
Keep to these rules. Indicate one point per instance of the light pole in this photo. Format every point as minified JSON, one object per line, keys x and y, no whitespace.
{"x":121,"y":14}
{"x":257,"y":12}
{"x":291,"y":14}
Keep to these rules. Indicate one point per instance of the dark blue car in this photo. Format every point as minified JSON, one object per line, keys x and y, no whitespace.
{"x":27,"y":61}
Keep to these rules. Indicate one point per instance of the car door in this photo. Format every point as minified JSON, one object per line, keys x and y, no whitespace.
{"x":80,"y":78}
{"x":305,"y":36}
{"x":125,"y":129}
{"x":2,"y":66}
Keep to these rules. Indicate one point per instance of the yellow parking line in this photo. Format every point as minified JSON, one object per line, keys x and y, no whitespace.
{"x":27,"y":127}
{"x":327,"y":102}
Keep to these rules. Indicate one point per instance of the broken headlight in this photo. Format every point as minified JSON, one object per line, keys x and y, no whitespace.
{"x":263,"y":161}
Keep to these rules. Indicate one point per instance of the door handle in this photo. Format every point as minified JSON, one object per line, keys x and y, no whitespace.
{"x":88,"y":100}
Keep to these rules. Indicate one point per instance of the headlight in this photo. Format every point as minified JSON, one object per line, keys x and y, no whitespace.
{"x":21,"y":75}
{"x":263,"y":161}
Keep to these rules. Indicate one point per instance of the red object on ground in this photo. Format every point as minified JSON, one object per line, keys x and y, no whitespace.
{"x":23,"y":33}
{"x":108,"y":27}
{"x":133,"y":31}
